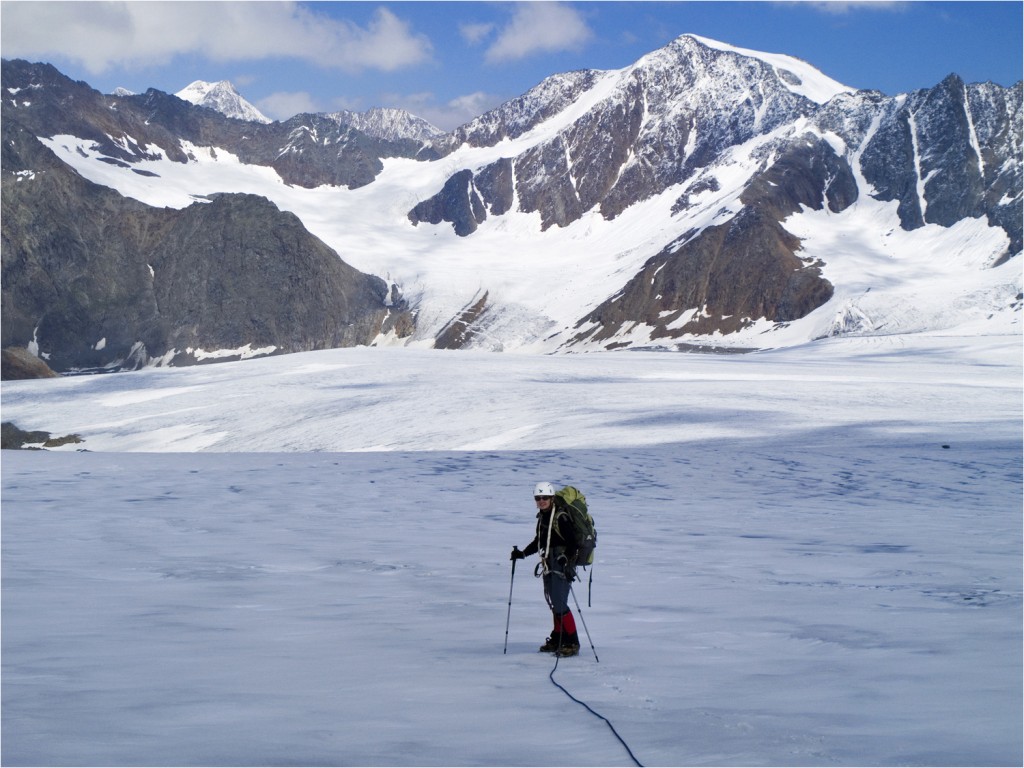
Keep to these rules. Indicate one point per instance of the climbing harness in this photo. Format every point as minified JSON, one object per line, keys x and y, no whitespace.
{"x":541,"y":569}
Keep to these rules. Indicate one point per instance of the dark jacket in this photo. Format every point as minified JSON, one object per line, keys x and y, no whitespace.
{"x":563,"y":537}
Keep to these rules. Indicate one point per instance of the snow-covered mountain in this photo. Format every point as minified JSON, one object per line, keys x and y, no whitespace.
{"x":389,"y":124}
{"x":223,"y":97}
{"x":704,"y":195}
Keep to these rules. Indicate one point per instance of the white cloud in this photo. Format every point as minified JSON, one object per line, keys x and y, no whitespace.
{"x":462,"y":109}
{"x":539,"y":27}
{"x":101,"y":35}
{"x":475,"y":33}
{"x":842,"y":7}
{"x":283,"y":105}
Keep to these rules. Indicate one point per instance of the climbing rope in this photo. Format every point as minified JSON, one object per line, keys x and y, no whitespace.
{"x":586,"y":706}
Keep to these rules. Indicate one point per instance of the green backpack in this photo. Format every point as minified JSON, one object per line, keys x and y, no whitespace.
{"x":575,"y":503}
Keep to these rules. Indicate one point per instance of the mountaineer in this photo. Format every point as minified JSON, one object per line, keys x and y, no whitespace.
{"x":556,"y":542}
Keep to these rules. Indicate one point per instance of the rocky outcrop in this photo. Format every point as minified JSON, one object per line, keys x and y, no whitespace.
{"x":458,"y":202}
{"x":19,"y":363}
{"x":725,"y":277}
{"x":944,"y":154}
{"x":721,"y":281}
{"x":467,"y":198}
{"x":13,"y":437}
{"x":461,"y":330}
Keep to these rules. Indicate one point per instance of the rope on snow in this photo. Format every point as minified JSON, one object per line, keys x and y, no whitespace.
{"x":591,"y":711}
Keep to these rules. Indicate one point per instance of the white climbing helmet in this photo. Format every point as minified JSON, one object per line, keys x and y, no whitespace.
{"x":544,"y":489}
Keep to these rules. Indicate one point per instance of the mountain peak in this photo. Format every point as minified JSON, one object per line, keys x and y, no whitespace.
{"x":796,"y":74}
{"x":389,"y":124}
{"x":222,"y":97}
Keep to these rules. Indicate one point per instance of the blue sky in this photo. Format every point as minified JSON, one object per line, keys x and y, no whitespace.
{"x":450,"y":61}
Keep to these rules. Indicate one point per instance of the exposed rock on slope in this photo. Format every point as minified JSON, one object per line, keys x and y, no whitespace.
{"x":732,"y":274}
{"x":99,"y":281}
{"x":19,"y":363}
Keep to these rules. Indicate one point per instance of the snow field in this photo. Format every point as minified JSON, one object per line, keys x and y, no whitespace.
{"x":351,"y":399}
{"x":792,"y":569}
{"x":753,"y":605}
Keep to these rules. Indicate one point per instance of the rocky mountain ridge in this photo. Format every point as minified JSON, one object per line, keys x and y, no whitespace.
{"x":743,"y":145}
{"x":388,"y":124}
{"x":306,"y":150}
{"x":675,"y":113}
{"x":943,"y":155}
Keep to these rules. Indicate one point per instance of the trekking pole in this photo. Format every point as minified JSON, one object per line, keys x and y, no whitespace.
{"x":583,"y":622}
{"x":509,"y":617}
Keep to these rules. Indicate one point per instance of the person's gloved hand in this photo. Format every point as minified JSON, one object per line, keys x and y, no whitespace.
{"x":516,"y":554}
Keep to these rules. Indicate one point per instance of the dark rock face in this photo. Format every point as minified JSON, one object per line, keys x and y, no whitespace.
{"x":99,"y":281}
{"x":738,"y":272}
{"x":496,"y":185}
{"x":807,"y":173}
{"x":945,"y":154}
{"x":458,"y":202}
{"x":238,"y":271}
{"x":465,"y":199}
{"x":461,"y":330}
{"x":12,"y":438}
{"x":731,"y":274}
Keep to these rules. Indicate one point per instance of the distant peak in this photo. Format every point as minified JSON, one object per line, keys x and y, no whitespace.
{"x":223,"y":97}
{"x":389,"y":123}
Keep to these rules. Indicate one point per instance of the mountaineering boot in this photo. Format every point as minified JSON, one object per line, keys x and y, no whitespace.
{"x":555,"y":640}
{"x":551,"y":644}
{"x":569,"y":642}
{"x":570,"y":645}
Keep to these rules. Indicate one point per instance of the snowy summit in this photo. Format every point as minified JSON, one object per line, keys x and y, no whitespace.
{"x":799,"y":76}
{"x":222,"y":97}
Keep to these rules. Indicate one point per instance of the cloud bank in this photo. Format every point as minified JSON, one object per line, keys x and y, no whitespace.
{"x":103,"y":35}
{"x":539,"y":28}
